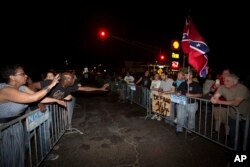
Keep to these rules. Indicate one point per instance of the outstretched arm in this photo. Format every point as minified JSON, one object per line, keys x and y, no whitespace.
{"x":90,"y":89}
{"x":47,"y":100}
{"x":14,"y":95}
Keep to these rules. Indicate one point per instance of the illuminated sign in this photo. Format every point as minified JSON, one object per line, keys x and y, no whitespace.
{"x":175,"y":55}
{"x":176,"y":45}
{"x":175,"y":65}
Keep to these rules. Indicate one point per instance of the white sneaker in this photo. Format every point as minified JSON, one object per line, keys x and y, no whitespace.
{"x":175,"y":120}
{"x":159,"y":118}
{"x":52,"y":157}
{"x":154,"y":116}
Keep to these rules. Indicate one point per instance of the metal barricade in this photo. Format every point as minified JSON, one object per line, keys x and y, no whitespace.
{"x":70,"y":108}
{"x":28,"y":139}
{"x":228,"y":135}
{"x":204,"y":119}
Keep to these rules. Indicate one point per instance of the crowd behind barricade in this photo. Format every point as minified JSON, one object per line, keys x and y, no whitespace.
{"x":26,"y":114}
{"x":205,"y":105}
{"x":201,"y":106}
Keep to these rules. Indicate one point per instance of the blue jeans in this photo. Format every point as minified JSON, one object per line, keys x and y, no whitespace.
{"x":186,"y":116}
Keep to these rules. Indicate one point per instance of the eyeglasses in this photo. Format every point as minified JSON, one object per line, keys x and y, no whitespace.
{"x":21,"y":74}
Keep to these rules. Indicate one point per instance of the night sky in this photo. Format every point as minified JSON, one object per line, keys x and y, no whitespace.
{"x":70,"y":31}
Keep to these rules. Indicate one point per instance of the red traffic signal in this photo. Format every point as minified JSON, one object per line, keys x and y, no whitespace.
{"x":102,"y":34}
{"x":162,"y":57}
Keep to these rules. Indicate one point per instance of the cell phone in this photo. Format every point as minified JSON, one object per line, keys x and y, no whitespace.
{"x":217,"y":82}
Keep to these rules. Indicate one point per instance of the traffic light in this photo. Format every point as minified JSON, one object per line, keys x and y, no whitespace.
{"x":162,"y":57}
{"x":103,"y":34}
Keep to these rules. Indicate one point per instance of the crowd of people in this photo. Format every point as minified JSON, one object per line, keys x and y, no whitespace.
{"x":18,"y":92}
{"x":223,"y":89}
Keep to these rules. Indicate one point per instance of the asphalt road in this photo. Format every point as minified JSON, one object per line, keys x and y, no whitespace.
{"x":117,"y":135}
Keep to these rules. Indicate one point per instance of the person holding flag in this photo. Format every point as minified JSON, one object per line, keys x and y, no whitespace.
{"x":194,"y":46}
{"x":186,"y":112}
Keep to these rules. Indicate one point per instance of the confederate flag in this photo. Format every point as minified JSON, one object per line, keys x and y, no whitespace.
{"x":194,"y":45}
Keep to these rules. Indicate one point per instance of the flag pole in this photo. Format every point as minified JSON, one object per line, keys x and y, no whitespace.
{"x":188,"y":79}
{"x":184,"y":59}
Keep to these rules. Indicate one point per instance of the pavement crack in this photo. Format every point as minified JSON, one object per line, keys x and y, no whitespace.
{"x":120,"y":131}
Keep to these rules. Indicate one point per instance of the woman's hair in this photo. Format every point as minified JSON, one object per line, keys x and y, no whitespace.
{"x":8,"y":70}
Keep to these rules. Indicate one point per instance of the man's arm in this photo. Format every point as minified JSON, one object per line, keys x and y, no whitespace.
{"x":235,"y":102}
{"x":140,"y":79}
{"x":172,"y":90}
{"x":194,"y":95}
{"x":47,"y":100}
{"x":68,"y":98}
{"x":90,"y":89}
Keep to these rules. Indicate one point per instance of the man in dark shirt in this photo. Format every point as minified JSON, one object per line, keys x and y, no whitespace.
{"x":190,"y":89}
{"x":66,"y":86}
{"x":62,"y":91}
{"x":144,"y":80}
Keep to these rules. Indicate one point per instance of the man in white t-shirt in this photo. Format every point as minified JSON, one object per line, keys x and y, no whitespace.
{"x":129,"y":79}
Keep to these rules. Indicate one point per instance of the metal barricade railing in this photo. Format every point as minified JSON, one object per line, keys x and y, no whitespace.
{"x":139,"y":95}
{"x":70,"y":109}
{"x":28,"y":139}
{"x":119,"y":88}
{"x":204,"y":118}
{"x":133,"y":94}
{"x":12,"y":143}
{"x":205,"y":125}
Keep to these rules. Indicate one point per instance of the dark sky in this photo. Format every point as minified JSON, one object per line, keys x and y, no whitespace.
{"x":70,"y":31}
